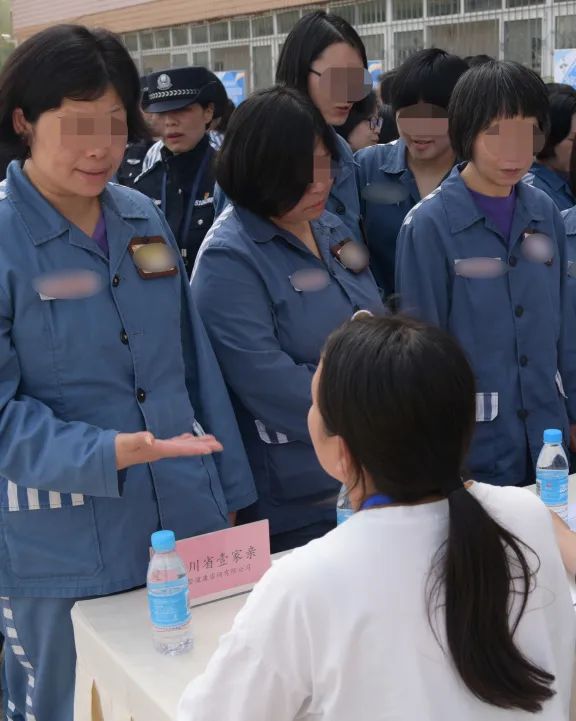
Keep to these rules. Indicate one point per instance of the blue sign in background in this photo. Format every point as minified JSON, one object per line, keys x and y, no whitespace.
{"x":565,"y":67}
{"x":375,"y":68}
{"x":235,"y":83}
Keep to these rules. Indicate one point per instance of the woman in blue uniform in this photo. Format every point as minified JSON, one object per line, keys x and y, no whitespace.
{"x":107,"y":378}
{"x":392,"y":178}
{"x":550,"y":170}
{"x":274,"y":276}
{"x":324,"y":58}
{"x":484,"y":257}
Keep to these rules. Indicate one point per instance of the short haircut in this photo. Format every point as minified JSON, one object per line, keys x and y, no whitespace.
{"x":307,"y":40}
{"x":562,"y":108}
{"x":266,"y":160}
{"x":359,"y":114}
{"x":389,"y":129}
{"x":66,"y":62}
{"x":428,"y":76}
{"x":490,"y":92}
{"x":474,"y":61}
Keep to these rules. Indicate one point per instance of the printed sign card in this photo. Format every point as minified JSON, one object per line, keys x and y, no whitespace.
{"x":224,"y":560}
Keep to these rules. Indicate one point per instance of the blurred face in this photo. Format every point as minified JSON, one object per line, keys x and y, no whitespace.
{"x":365,"y":134}
{"x":154,"y":123}
{"x":563,"y":151}
{"x":504,"y":152}
{"x":76,"y":148}
{"x":313,"y":202}
{"x":424,"y":129}
{"x":329,"y":449}
{"x":336,"y":81}
{"x":182,"y":130}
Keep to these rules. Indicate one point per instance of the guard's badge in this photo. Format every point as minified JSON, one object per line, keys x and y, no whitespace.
{"x":164,"y":82}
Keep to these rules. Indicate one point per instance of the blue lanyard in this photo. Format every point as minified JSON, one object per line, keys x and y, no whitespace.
{"x":378,"y":499}
{"x":192,"y":198}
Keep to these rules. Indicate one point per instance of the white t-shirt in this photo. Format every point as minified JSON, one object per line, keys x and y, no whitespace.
{"x":338,"y":630}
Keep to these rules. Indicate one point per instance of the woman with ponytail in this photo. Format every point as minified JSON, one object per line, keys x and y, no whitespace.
{"x":441,"y":599}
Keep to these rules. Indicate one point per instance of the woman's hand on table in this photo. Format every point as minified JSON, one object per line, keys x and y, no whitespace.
{"x":142,"y":447}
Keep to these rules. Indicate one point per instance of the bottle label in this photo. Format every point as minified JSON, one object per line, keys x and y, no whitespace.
{"x":168,"y":603}
{"x":553,"y":486}
{"x":343,"y":514}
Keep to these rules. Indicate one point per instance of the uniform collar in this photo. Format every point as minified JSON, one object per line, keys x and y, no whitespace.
{"x":42,"y":220}
{"x":551,"y":177}
{"x":462,"y":211}
{"x":570,"y":221}
{"x":395,"y":157}
{"x":262,"y":230}
{"x":346,"y":163}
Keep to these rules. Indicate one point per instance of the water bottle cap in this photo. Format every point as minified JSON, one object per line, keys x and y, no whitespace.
{"x":163,"y":541}
{"x":552,"y":435}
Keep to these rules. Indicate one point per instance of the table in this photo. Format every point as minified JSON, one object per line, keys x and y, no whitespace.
{"x":120,"y":677}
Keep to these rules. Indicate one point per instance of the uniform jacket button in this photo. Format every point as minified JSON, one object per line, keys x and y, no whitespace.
{"x":519,"y":311}
{"x":115,"y":281}
{"x":140,"y":395}
{"x":124,"y":337}
{"x":513,"y":261}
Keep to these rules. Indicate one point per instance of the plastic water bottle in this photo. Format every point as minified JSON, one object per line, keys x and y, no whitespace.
{"x":343,"y":506}
{"x":552,"y":473}
{"x":167,"y":583}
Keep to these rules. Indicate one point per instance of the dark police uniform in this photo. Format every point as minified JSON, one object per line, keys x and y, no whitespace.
{"x":183,"y":185}
{"x":131,"y":167}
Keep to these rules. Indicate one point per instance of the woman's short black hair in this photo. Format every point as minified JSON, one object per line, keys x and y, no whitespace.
{"x":365,"y":110}
{"x":562,"y":109}
{"x":386,"y":81}
{"x":389,"y":130}
{"x":66,"y":62}
{"x":307,"y":40}
{"x":500,"y":89}
{"x":428,"y":76}
{"x":474,"y":61}
{"x":266,"y":161}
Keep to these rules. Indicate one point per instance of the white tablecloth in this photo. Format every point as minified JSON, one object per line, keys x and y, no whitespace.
{"x":120,"y":677}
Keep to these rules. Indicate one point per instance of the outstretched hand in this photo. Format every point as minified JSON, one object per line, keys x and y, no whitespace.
{"x":142,"y":447}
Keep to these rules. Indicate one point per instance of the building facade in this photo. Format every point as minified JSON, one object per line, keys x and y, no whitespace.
{"x":248,"y":35}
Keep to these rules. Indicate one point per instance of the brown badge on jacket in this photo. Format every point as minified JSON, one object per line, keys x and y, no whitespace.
{"x":153,"y":257}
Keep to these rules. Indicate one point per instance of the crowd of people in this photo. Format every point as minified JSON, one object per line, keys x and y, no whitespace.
{"x":213,"y":315}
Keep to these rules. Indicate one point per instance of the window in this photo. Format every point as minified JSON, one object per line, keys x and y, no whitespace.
{"x":523,"y":42}
{"x":372,"y":12}
{"x":262,"y":60}
{"x":407,"y":43}
{"x":287,"y":20}
{"x":374,"y":45}
{"x":131,"y":42}
{"x":348,"y":12}
{"x":240,"y":29}
{"x":179,"y":60}
{"x":180,"y":36}
{"x":473,"y":6}
{"x":566,"y":32}
{"x":466,"y":38}
{"x":162,"y":38}
{"x":263,"y":25}
{"x":199,"y":34}
{"x":521,"y":3}
{"x":219,"y":32}
{"x":202,"y":59}
{"x":443,"y":7}
{"x":147,"y":40}
{"x":406,"y":9}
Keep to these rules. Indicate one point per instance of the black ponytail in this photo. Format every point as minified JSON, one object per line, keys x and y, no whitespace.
{"x":474,"y":572}
{"x":397,"y":379}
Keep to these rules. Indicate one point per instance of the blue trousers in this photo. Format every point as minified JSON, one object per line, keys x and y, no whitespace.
{"x":39,"y":658}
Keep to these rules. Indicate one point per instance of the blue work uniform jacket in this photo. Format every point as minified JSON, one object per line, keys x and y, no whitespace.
{"x":570,"y":224}
{"x":517,"y":328}
{"x":252,"y":285}
{"x":388,"y":190}
{"x":74,"y":372}
{"x":343,"y":200}
{"x":552,"y":183}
